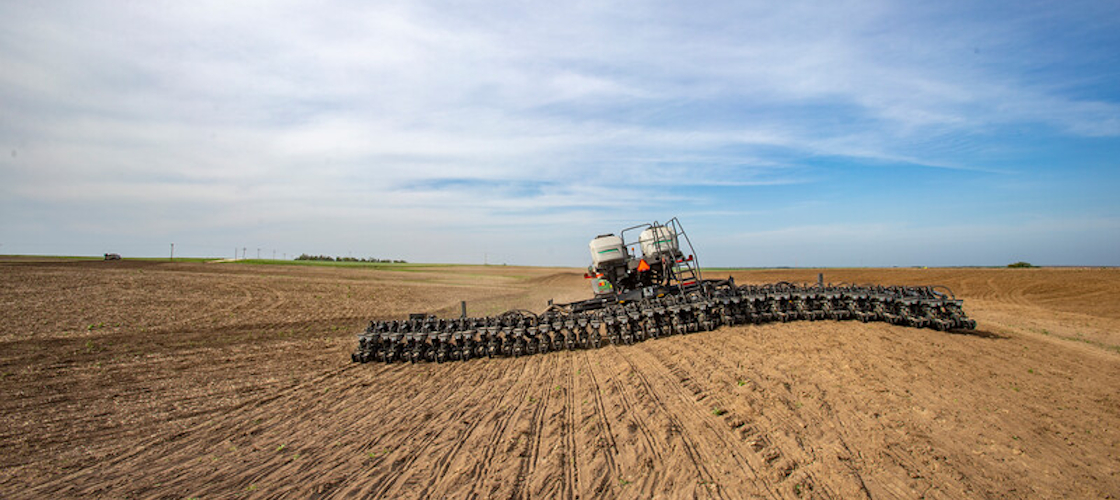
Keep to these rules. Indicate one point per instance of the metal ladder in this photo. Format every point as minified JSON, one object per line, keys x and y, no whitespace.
{"x":685,"y":270}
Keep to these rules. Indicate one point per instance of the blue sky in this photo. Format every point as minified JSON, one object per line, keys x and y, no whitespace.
{"x":801,"y":134}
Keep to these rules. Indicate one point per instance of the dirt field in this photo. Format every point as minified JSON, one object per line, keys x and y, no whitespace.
{"x":167,"y":380}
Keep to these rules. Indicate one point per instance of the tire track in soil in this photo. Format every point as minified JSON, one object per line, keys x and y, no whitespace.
{"x":689,"y":444}
{"x":781,"y":460}
{"x":613,"y":471}
{"x":777,"y":459}
{"x":399,"y":467}
{"x":440,"y":487}
{"x":387,"y":484}
{"x":249,"y":292}
{"x":657,"y":450}
{"x":762,"y":445}
{"x":529,"y":461}
{"x":299,"y":405}
{"x":278,"y":300}
{"x":794,"y":469}
{"x":652,"y":443}
{"x":400,"y":420}
{"x":787,"y":471}
{"x":71,"y":483}
{"x":571,"y":466}
{"x":675,"y":377}
{"x":247,"y":297}
{"x":443,"y":464}
{"x":402,"y":475}
{"x":481,"y":470}
{"x":840,"y":424}
{"x":296,"y":406}
{"x":146,"y":445}
{"x":855,"y":472}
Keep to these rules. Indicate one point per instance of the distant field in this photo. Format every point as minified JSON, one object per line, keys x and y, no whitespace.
{"x":327,"y":263}
{"x":48,"y":258}
{"x":271,"y":262}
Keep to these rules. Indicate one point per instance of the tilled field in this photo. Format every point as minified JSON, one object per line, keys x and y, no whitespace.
{"x":169,"y":380}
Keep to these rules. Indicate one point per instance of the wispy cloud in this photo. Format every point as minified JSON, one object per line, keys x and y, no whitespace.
{"x":281,"y":120}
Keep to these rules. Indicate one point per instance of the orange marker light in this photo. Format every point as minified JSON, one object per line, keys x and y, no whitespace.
{"x":643,"y":266}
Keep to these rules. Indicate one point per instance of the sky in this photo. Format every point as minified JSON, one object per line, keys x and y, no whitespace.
{"x":834,"y":133}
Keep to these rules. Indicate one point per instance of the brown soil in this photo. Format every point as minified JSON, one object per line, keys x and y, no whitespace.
{"x":167,"y":380}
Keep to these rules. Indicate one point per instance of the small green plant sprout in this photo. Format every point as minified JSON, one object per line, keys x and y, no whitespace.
{"x":623,"y":482}
{"x":741,"y":382}
{"x":374,"y":454}
{"x":717,"y":411}
{"x":281,"y":447}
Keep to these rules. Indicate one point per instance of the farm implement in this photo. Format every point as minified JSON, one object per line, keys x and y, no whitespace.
{"x":647,"y":295}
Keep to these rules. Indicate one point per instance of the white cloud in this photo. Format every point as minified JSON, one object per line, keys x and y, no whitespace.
{"x":488,"y":114}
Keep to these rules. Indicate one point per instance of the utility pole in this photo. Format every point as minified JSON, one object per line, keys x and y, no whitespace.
{"x":234,"y":253}
{"x":258,"y":254}
{"x":243,"y":253}
{"x":273,"y":254}
{"x":172,"y":251}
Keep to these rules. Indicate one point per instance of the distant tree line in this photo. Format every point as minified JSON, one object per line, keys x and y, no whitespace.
{"x":328,"y":258}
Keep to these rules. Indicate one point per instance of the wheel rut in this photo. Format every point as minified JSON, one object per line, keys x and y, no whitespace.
{"x":530,"y":458}
{"x":571,"y":462}
{"x":606,"y":435}
{"x":401,"y":469}
{"x":655,"y":463}
{"x":443,"y":463}
{"x":232,"y":417}
{"x":762,"y":457}
{"x":689,"y":444}
{"x":480,"y":472}
{"x":776,"y":447}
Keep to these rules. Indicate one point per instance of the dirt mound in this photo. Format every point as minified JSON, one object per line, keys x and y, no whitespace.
{"x":220,"y":381}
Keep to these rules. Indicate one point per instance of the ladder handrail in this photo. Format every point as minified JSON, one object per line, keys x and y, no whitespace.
{"x":694,"y":264}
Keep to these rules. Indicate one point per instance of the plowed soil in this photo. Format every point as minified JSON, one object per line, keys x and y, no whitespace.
{"x":174,"y":380}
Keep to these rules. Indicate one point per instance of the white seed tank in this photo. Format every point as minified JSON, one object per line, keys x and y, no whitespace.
{"x":606,"y":249}
{"x":658,"y":240}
